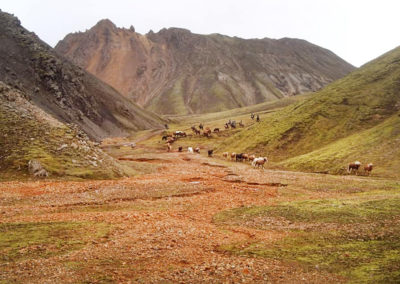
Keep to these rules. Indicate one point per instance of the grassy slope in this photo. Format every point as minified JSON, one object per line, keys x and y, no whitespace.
{"x":212,"y":120}
{"x":28,"y":133}
{"x":367,"y":99}
{"x":234,"y":113}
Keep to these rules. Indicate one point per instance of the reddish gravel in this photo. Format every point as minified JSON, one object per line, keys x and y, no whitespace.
{"x":162,"y":229}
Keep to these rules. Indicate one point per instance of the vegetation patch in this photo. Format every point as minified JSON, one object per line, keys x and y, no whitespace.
{"x":317,"y":211}
{"x":20,"y":241}
{"x":358,"y":238}
{"x":362,"y":261}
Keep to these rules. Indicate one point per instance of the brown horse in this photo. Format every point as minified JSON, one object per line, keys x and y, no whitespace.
{"x":207,"y":132}
{"x":353,"y":167}
{"x":368,"y":168}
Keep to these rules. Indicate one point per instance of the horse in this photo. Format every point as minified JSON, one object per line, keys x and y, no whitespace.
{"x":216,"y":130}
{"x":207,"y":132}
{"x":239,"y":157}
{"x":233,"y":155}
{"x":195,"y":130}
{"x":171,"y":140}
{"x":251,"y":157}
{"x":353,"y":166}
{"x":190,"y":150}
{"x":241,"y":124}
{"x":210,"y":153}
{"x":259,"y":162}
{"x":180,"y":149}
{"x":201,"y":126}
{"x":180,"y":134}
{"x":225,"y":155}
{"x":226,"y":126}
{"x":169,"y":147}
{"x":368,"y":168}
{"x":197,"y":150}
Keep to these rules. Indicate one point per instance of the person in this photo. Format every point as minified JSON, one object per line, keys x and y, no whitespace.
{"x":258,"y":118}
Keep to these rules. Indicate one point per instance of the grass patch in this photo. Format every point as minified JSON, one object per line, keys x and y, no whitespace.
{"x":317,"y":211}
{"x":20,"y":241}
{"x":357,"y":236}
{"x":366,"y":261}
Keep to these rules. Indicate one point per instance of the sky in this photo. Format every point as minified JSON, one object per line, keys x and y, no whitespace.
{"x":357,"y":31}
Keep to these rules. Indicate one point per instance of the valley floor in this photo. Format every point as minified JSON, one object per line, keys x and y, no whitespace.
{"x":176,"y":225}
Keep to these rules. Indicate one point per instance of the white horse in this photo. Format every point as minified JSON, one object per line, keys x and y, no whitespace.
{"x":259,"y":162}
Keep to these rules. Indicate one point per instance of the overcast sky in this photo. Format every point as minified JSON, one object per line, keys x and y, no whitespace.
{"x":356,"y":30}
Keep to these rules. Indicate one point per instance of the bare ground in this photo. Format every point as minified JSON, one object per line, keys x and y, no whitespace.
{"x":161,"y":227}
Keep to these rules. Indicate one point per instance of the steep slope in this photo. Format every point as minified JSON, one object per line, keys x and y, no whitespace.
{"x":62,"y":89}
{"x":356,"y":117}
{"x":27,"y":133}
{"x":177,"y":72}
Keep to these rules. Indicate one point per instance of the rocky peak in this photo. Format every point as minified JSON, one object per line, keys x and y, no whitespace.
{"x":105,"y":24}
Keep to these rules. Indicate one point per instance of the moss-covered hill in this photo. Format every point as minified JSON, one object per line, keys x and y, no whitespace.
{"x":356,"y":117}
{"x":28,"y":133}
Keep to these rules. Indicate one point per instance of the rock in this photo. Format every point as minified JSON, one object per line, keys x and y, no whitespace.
{"x":93,"y":163}
{"x":36,"y":169}
{"x":63,"y":146}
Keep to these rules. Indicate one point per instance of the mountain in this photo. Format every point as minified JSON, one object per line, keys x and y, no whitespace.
{"x":175,"y":71}
{"x":64,"y":90}
{"x":354,"y":118}
{"x":27,"y":133}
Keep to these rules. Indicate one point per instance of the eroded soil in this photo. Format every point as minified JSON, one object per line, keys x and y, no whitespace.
{"x":160,"y":225}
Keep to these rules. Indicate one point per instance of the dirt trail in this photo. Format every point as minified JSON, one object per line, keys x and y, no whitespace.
{"x":162,"y":226}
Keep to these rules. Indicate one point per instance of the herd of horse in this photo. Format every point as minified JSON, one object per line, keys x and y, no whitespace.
{"x":240,"y":157}
{"x":355,"y":166}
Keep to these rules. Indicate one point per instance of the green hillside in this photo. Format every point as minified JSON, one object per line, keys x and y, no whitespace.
{"x":356,"y":117}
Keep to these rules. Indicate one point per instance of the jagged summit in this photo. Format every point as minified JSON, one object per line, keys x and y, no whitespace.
{"x":105,"y":24}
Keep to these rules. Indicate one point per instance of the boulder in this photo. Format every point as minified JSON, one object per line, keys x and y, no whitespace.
{"x":36,"y":169}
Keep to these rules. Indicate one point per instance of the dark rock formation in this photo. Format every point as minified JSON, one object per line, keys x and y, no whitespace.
{"x":62,"y":89}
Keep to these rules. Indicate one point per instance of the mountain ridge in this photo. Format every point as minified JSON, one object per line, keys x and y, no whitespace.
{"x":175,"y":71}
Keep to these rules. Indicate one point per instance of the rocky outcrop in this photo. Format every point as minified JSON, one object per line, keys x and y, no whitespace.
{"x":64,"y":90}
{"x":175,"y":71}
